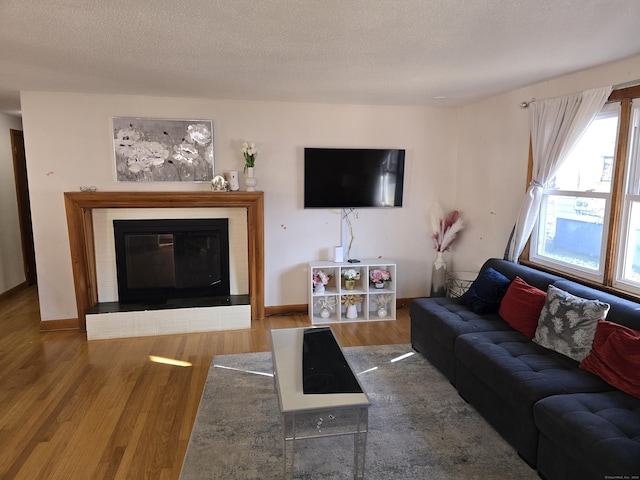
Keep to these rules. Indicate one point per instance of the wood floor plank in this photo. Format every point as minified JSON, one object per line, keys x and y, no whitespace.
{"x":73,"y":409}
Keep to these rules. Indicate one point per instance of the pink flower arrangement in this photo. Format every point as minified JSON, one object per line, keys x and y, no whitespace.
{"x":379,"y":276}
{"x":445,"y":229}
{"x":320,"y":278}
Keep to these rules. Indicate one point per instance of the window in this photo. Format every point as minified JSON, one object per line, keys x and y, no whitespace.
{"x":628,"y":271}
{"x":589,"y":222}
{"x":576,"y":202}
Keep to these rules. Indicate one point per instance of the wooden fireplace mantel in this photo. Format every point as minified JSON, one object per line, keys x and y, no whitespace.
{"x":80,"y":205}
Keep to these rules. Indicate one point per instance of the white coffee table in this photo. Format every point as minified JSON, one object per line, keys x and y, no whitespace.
{"x":306,"y":416}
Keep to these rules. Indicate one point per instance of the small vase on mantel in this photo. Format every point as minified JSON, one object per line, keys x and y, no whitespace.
{"x":250,"y":181}
{"x":439,"y":277}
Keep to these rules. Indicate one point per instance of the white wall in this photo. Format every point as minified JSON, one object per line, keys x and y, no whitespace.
{"x":493,"y":150}
{"x":11,"y":260}
{"x":473,"y":159}
{"x":69,"y":144}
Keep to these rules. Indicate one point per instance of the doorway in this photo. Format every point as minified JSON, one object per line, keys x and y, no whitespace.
{"x":24,"y":205}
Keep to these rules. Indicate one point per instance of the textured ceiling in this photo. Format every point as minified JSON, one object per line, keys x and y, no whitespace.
{"x":401,"y":52}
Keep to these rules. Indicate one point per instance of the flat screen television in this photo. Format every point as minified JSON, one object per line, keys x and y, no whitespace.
{"x":353,"y":177}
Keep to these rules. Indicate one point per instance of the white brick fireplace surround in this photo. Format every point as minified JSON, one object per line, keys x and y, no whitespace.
{"x":89,"y":218}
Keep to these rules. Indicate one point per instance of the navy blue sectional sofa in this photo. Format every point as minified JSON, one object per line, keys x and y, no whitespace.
{"x":561,"y":419}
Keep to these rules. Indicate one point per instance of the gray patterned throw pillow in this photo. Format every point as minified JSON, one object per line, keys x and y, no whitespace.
{"x":567,"y":323}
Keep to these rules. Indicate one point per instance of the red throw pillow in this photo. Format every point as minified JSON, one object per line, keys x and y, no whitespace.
{"x":521,"y":307}
{"x":615,"y":357}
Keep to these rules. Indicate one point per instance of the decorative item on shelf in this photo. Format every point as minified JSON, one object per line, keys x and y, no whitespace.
{"x":445,"y":230}
{"x":326,"y":305}
{"x":250,"y":181}
{"x":232,"y":179}
{"x":350,"y":276}
{"x":381,"y":302}
{"x":338,"y":255}
{"x":379,"y":276}
{"x":250,"y":152}
{"x":320,"y":279}
{"x":219,"y":184}
{"x":351,"y":302}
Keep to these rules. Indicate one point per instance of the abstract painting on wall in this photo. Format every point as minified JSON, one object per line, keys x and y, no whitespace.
{"x":163,"y":150}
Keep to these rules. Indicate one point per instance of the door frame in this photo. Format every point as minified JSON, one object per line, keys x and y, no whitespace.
{"x":24,"y":205}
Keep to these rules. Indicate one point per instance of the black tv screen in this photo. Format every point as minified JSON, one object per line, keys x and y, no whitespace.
{"x":353,"y":177}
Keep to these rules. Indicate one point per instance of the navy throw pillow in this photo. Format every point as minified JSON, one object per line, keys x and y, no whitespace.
{"x":486,"y":292}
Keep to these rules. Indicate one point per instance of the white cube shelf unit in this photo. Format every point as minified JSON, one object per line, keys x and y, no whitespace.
{"x":377,"y":303}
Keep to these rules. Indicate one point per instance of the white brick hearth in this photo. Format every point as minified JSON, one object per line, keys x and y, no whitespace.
{"x":165,"y":322}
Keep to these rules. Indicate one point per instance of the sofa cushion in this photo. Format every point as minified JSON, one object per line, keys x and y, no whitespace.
{"x":521,"y":370}
{"x":615,"y":357}
{"x":486,"y":292}
{"x":437,"y":322}
{"x":589,"y":436}
{"x":521,"y":306}
{"x":503,"y":374}
{"x":568,"y":323}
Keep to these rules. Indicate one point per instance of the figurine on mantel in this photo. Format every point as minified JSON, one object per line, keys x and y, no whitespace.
{"x":219,"y":184}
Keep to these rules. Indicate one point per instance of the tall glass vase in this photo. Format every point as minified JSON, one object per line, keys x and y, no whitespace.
{"x":439,"y":277}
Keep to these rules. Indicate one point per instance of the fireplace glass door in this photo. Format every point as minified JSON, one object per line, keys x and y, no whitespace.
{"x":161,"y":259}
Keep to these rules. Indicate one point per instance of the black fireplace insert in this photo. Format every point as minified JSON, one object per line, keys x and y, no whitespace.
{"x":163,"y":259}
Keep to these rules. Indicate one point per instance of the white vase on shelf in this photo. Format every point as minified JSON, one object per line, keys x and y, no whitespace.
{"x":382,"y":312}
{"x":319,"y":288}
{"x":325,"y":313}
{"x":250,"y":181}
{"x":352,"y":311}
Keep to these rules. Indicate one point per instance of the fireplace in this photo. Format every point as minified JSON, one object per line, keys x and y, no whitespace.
{"x":81,"y":207}
{"x":162,"y":259}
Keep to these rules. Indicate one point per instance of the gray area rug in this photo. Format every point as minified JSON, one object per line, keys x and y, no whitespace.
{"x":419,"y":428}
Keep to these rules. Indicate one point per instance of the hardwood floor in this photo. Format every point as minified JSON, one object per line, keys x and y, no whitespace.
{"x":72,"y":409}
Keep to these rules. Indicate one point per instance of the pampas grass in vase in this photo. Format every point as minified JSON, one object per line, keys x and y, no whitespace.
{"x":445,"y":229}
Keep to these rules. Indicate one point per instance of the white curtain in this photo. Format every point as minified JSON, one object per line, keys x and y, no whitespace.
{"x":556,"y":126}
